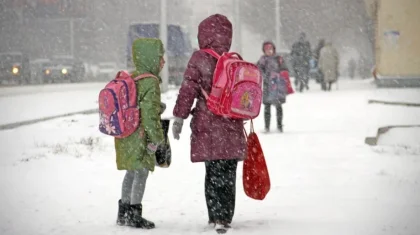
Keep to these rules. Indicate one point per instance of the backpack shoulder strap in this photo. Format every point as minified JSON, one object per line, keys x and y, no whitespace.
{"x":145,"y":75}
{"x":205,"y":94}
{"x":215,"y":55}
{"x":212,"y":53}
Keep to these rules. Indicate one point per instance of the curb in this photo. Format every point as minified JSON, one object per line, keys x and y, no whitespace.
{"x":30,"y":122}
{"x":34,"y":121}
{"x":373,"y":141}
{"x":394,"y":103}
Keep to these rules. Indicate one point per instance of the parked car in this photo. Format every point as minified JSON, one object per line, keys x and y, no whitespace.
{"x":40,"y":70}
{"x":14,"y":68}
{"x":65,"y":68}
{"x":179,"y":48}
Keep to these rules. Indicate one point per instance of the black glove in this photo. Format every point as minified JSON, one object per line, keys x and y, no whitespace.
{"x":162,"y":107}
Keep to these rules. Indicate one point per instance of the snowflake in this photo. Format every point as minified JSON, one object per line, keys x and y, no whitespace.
{"x":104,"y":119}
{"x":110,"y":128}
{"x":107,"y":124}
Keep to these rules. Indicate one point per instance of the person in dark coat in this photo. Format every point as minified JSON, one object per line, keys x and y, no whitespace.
{"x":270,"y":63}
{"x":317,"y":52}
{"x":219,"y":142}
{"x":352,"y":68}
{"x":301,"y":54}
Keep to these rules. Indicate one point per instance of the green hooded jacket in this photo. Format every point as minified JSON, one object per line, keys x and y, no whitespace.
{"x":132,"y":152}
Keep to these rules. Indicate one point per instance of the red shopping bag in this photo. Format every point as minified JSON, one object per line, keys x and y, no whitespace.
{"x":256,"y":179}
{"x":285,"y":75}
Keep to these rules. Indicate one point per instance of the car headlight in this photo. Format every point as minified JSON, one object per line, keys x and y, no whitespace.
{"x":47,"y":72}
{"x":64,"y":71}
{"x":15,"y":70}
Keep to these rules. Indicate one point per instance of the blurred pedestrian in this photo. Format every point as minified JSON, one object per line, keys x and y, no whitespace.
{"x":301,"y":55}
{"x":321,"y":44}
{"x":329,"y":64}
{"x":271,"y":65}
{"x":319,"y":75}
{"x":352,"y":68}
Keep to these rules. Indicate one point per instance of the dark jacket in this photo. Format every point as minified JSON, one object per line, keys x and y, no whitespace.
{"x":317,"y":51}
{"x":301,"y":54}
{"x":213,"y":137}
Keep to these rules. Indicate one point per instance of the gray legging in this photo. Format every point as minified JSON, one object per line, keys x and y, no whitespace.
{"x":133,"y":186}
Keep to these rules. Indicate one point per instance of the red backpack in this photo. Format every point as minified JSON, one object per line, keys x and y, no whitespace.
{"x":237,"y":87}
{"x":118,"y":109}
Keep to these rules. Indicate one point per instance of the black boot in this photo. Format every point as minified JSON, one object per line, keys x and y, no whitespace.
{"x":222,"y":227}
{"x":122,"y":213}
{"x":267,"y":117}
{"x":135,"y":218}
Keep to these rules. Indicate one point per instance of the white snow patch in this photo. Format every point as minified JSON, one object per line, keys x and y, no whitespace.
{"x":404,"y":136}
{"x":60,"y":177}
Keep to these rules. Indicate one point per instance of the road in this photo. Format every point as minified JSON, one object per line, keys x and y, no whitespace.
{"x":32,"y":102}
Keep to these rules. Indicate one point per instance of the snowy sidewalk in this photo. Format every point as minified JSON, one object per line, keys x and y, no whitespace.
{"x":22,"y":104}
{"x":28,"y":103}
{"x":59,"y":177}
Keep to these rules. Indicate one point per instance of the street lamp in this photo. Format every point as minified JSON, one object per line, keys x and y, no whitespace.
{"x":164,"y":38}
{"x":237,"y":13}
{"x":278,"y":24}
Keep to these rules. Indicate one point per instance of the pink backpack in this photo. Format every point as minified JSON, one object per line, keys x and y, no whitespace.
{"x":118,"y":109}
{"x":237,"y":87}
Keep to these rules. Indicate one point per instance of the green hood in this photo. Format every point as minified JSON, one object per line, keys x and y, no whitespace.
{"x":146,"y":56}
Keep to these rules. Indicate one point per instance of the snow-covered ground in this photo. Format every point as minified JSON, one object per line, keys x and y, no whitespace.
{"x":59,"y":177}
{"x":402,"y":136}
{"x":33,"y":102}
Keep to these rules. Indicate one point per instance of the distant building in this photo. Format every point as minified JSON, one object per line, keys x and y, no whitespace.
{"x":397,"y":42}
{"x":92,"y":30}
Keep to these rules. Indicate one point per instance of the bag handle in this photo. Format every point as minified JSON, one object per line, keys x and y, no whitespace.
{"x":206,"y":95}
{"x":122,"y":73}
{"x":217,"y":56}
{"x":212,"y":53}
{"x":251,"y":129}
{"x":246,"y":133}
{"x":145,"y":75}
{"x":231,"y":54}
